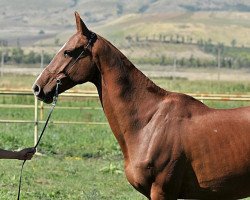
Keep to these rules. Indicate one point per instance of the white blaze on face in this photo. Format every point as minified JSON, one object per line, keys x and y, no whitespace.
{"x":39,"y":76}
{"x":62,"y":47}
{"x":47,"y":66}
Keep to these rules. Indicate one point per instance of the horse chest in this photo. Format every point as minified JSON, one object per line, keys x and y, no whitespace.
{"x":140,"y":175}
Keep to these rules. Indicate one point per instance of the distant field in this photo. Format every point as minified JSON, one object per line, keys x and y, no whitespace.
{"x":230,"y":28}
{"x":193,"y":80}
{"x":216,"y":27}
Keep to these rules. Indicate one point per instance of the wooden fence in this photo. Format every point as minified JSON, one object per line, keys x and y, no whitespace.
{"x":39,"y":107}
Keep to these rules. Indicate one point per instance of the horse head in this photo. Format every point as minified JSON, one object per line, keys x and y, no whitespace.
{"x":72,"y":65}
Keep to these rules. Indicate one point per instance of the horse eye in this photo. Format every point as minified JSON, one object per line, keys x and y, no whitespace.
{"x":74,"y":53}
{"x":77,"y":52}
{"x":66,"y":54}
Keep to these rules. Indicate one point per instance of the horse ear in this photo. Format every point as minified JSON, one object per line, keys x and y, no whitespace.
{"x":81,"y":27}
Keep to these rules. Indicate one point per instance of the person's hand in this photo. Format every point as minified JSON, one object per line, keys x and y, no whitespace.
{"x":26,"y":154}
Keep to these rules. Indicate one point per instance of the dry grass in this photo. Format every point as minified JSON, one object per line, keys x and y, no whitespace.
{"x":219,"y":26}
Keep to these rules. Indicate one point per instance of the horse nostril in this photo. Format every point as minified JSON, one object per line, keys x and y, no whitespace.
{"x":36,"y":89}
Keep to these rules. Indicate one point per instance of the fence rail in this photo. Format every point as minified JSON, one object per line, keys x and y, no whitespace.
{"x":89,"y":94}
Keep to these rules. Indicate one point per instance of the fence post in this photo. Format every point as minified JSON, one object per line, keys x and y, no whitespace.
{"x":42,"y":57}
{"x":41,"y":110}
{"x":2,"y":64}
{"x":174,"y":75}
{"x":218,"y":63}
{"x":36,"y":122}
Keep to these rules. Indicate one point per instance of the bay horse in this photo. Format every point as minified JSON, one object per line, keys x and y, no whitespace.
{"x":173,"y":145}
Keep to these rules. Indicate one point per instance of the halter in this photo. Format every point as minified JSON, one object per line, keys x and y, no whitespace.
{"x":92,"y":39}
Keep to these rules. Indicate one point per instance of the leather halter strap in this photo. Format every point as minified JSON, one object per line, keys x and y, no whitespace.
{"x":58,"y":83}
{"x":91,"y":40}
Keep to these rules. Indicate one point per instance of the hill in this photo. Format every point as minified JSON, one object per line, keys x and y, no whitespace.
{"x":44,"y":21}
{"x":44,"y":24}
{"x":217,"y":26}
{"x":57,"y":12}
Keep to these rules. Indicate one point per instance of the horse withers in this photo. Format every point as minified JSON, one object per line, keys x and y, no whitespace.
{"x":174,"y":146}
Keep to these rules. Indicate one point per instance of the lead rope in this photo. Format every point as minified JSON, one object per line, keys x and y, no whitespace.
{"x":58,"y":82}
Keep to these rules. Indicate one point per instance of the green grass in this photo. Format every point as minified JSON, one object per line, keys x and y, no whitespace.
{"x":213,"y":87}
{"x":56,"y":178}
{"x":79,"y":161}
{"x":178,"y":85}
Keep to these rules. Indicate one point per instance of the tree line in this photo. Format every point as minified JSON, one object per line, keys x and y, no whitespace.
{"x":229,"y":56}
{"x":17,"y":56}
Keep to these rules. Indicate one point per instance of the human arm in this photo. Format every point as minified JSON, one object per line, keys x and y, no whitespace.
{"x":24,"y":154}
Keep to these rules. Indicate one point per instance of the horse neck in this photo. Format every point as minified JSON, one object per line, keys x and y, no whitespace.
{"x":128,"y":97}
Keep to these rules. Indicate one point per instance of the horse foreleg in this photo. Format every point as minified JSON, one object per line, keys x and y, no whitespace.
{"x":167,"y":184}
{"x":157,"y":192}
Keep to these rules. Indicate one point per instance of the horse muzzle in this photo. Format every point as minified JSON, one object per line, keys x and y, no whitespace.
{"x":39,"y":93}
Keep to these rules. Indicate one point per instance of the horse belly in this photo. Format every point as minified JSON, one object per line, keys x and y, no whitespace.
{"x":219,"y":154}
{"x":220,"y":163}
{"x":236,"y":187}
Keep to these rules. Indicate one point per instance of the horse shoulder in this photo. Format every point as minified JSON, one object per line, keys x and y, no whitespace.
{"x":160,"y":156}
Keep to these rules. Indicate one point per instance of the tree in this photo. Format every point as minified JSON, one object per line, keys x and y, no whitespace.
{"x":57,"y":41}
{"x":41,"y":32}
{"x":119,"y":9}
{"x":32,"y":57}
{"x":177,"y":38}
{"x":17,"y":55}
{"x":171,"y":38}
{"x":233,"y":43}
{"x":129,"y":38}
{"x":143,"y":8}
{"x":183,"y":39}
{"x":192,"y":61}
{"x":163,"y":60}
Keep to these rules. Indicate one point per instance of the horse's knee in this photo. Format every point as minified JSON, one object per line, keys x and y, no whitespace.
{"x":157,"y":193}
